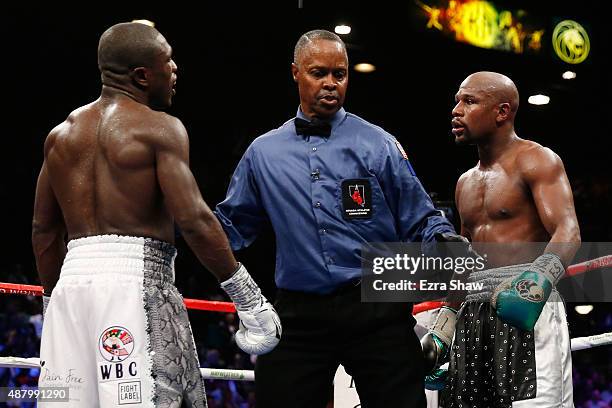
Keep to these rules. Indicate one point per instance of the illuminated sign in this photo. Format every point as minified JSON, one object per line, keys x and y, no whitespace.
{"x":571,"y":42}
{"x":480,"y":23}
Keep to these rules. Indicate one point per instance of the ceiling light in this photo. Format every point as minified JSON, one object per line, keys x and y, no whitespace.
{"x":364,"y":67}
{"x":569,"y":75}
{"x":538,"y":99}
{"x":342,"y":29}
{"x":584,"y":309}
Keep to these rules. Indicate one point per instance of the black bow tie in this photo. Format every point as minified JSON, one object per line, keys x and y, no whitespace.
{"x":315,"y":128}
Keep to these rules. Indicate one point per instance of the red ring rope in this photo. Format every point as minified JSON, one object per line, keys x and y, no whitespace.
{"x":228,"y":307}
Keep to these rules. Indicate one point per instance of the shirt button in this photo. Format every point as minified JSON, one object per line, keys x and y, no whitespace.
{"x":323,"y":231}
{"x":314,"y":149}
{"x":317,"y":204}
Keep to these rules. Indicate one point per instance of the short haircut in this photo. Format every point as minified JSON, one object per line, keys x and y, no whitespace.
{"x":307,"y":39}
{"x":126,"y":46}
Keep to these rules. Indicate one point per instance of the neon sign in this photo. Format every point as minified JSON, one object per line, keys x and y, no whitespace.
{"x":571,"y":42}
{"x":480,"y":23}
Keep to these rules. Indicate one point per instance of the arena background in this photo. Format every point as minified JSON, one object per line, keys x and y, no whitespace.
{"x":234,"y":84}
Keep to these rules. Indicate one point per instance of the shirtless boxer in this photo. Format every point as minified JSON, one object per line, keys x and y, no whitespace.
{"x":511,"y":346}
{"x":114,"y":181}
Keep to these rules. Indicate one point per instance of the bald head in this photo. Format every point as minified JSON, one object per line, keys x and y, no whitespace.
{"x":126,"y":46}
{"x":497,"y":86}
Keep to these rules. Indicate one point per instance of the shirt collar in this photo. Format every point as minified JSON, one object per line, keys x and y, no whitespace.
{"x":334,"y":120}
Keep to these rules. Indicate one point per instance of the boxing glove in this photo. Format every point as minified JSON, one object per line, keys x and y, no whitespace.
{"x":436,"y":381}
{"x":520,"y":300}
{"x":260,"y":328}
{"x":436,"y":344}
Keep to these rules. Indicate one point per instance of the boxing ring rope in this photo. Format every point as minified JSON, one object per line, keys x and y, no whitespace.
{"x":207,"y":373}
{"x":228,"y":307}
{"x":580,"y":343}
{"x":195,"y":304}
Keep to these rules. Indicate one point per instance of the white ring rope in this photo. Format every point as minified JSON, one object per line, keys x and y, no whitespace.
{"x":579,"y":343}
{"x":583,"y":343}
{"x":207,"y":373}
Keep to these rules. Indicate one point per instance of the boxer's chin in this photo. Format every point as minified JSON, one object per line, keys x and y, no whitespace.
{"x":462,"y":140}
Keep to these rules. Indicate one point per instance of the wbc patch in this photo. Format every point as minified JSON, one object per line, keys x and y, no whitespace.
{"x":116,"y":343}
{"x":356,"y":199}
{"x":529,"y":290}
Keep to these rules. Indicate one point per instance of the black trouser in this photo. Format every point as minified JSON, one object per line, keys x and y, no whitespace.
{"x":375,"y":342}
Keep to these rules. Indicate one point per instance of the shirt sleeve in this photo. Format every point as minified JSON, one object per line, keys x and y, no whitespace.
{"x":415,"y":215}
{"x":241,"y":213}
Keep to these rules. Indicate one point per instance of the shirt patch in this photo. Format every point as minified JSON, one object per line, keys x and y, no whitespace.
{"x":405,"y":156}
{"x":401,"y":149}
{"x":356,"y":199}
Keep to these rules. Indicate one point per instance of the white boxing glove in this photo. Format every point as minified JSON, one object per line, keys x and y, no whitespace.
{"x":260,"y":328}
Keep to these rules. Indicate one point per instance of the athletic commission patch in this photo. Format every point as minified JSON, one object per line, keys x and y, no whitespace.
{"x":356,"y":199}
{"x":116,"y":344}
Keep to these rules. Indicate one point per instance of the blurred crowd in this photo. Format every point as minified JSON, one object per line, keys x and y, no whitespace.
{"x":593,"y":389}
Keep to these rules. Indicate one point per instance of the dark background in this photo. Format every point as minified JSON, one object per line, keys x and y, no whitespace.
{"x":234,"y":84}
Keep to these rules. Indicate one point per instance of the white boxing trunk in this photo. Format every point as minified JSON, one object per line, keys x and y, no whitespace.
{"x":116,"y":331}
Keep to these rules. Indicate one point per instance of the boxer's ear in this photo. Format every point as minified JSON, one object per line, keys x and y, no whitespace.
{"x":140,"y":76}
{"x":503,"y":112}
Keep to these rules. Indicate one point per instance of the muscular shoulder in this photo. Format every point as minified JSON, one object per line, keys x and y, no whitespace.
{"x":163,"y":129}
{"x":535,"y":161}
{"x":465,"y":177}
{"x":62,"y":130}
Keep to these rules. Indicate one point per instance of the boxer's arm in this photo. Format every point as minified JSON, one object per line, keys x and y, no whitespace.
{"x":545,"y":175}
{"x":182,"y":197}
{"x":48,"y":233}
{"x":543,"y":172}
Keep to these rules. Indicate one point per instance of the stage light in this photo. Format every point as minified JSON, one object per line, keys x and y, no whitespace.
{"x":342,"y":29}
{"x":364,"y":67}
{"x":538,"y":99}
{"x":584,"y":309}
{"x":569,"y":75}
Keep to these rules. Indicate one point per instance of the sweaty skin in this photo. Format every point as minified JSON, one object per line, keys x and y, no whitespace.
{"x":119,"y":166}
{"x":518,"y":191}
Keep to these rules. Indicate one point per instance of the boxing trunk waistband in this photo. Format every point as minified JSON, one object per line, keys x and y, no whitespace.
{"x":490,"y":279}
{"x":126,"y":255}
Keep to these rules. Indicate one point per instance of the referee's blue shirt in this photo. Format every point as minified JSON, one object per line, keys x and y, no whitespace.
{"x":325,"y":198}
